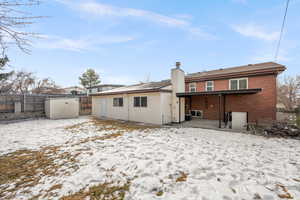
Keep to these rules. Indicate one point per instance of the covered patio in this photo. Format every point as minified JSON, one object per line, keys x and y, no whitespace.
{"x":219,"y":111}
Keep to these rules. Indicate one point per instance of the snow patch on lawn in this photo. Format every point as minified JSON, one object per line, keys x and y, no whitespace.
{"x":217,"y":165}
{"x":35,"y":134}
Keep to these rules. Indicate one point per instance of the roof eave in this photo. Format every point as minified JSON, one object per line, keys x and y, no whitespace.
{"x":276,"y":70}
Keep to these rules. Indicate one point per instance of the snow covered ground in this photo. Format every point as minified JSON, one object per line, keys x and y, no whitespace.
{"x":159,"y":163}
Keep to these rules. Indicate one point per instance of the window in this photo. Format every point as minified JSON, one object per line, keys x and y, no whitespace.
{"x":243,"y":84}
{"x":118,"y":102}
{"x":143,"y":101}
{"x":209,"y":86}
{"x":238,"y":84}
{"x":99,"y":89}
{"x":140,"y":102}
{"x":137,"y":101}
{"x":233,"y":84}
{"x":192,"y":87}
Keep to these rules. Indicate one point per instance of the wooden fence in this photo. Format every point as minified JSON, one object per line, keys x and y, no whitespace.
{"x":85,"y":105}
{"x":36,"y":103}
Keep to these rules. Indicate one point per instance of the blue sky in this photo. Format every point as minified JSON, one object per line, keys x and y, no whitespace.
{"x":126,"y":41}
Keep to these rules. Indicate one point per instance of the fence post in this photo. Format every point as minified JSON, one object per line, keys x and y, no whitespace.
{"x":24,"y":102}
{"x":298,"y":116}
{"x":33,"y":103}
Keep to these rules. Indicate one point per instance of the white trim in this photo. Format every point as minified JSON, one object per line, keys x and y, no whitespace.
{"x":238,"y":82}
{"x":194,"y":86}
{"x":213,"y":85}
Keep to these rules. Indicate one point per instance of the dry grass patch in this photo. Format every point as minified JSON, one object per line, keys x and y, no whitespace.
{"x":77,"y":127}
{"x":55,"y":187}
{"x":25,"y":168}
{"x":117,"y":127}
{"x":159,"y":193}
{"x":109,"y":125}
{"x":182,"y":178}
{"x":286,"y":194}
{"x":121,"y":125}
{"x":105,"y":191}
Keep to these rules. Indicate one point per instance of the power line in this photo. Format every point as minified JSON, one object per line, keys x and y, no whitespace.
{"x":281,"y":31}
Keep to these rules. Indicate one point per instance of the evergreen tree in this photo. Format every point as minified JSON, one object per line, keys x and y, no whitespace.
{"x":4,"y":83}
{"x":3,"y":62}
{"x":89,"y":78}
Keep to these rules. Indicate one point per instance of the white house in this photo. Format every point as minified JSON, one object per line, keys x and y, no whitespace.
{"x":153,"y":102}
{"x":75,"y":90}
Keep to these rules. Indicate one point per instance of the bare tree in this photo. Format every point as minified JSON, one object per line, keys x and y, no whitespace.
{"x":289,"y":91}
{"x":12,"y":20}
{"x":46,"y":86}
{"x":23,"y":82}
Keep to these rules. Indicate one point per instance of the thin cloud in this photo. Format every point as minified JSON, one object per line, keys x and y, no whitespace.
{"x":255,"y":31}
{"x":82,"y":44}
{"x":99,"y":9}
{"x":105,"y":10}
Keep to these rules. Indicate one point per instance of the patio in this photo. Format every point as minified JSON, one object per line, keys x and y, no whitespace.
{"x":204,"y":123}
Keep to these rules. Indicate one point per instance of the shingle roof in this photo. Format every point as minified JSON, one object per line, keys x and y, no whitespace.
{"x":142,"y":87}
{"x":239,"y":69}
{"x":233,"y":71}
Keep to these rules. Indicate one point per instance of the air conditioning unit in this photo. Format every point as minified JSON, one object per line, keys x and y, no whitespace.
{"x":197,"y":113}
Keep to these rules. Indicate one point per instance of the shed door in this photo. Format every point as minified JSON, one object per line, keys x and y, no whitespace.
{"x":103,"y":108}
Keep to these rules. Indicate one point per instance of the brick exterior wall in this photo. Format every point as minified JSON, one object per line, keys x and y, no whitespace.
{"x":260,"y":106}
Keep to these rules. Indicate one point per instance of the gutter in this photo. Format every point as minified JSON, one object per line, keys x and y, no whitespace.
{"x":132,"y":92}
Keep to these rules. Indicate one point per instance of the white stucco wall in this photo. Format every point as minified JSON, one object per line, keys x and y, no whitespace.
{"x":151,"y":114}
{"x":166,"y":107}
{"x":96,"y":107}
{"x":61,"y":108}
{"x":102,"y":106}
{"x":116,"y":112}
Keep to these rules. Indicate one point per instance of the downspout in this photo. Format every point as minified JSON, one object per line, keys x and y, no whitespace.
{"x":179,"y":110}
{"x":224,"y":107}
{"x":220,"y":121}
{"x":127,"y":107}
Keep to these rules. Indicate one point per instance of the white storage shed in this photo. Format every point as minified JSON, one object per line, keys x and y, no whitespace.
{"x":62,"y":108}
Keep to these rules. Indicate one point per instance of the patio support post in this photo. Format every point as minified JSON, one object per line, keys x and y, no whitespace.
{"x":220,"y":120}
{"x":224,"y":107}
{"x":190,"y":104}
